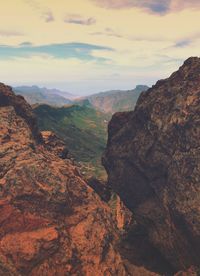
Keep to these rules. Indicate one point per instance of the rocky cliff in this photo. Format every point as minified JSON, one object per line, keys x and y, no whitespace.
{"x":51,"y":221}
{"x":153,"y":163}
{"x":22,"y":109}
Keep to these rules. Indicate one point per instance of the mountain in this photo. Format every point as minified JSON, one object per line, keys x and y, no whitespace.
{"x":52,"y":222}
{"x":83,"y":129}
{"x":37,"y":95}
{"x":152,"y":159}
{"x":115,"y":100}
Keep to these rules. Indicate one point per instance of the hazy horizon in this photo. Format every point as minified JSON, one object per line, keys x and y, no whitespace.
{"x":87,"y":92}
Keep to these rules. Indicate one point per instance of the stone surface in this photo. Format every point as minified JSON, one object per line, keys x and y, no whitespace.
{"x":55,"y":144}
{"x":21,"y":107}
{"x":152,"y":159}
{"x":51,"y":221}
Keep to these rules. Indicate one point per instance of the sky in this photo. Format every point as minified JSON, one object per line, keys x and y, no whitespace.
{"x":88,"y":46}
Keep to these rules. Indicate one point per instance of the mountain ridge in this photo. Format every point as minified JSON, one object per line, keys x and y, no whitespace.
{"x":37,"y":95}
{"x":114,"y":100}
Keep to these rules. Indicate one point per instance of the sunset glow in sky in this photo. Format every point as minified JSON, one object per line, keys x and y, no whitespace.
{"x":87,"y":46}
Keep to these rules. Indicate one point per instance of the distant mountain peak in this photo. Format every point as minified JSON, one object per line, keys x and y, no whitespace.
{"x":36,"y":88}
{"x":114,"y":100}
{"x":36,"y":95}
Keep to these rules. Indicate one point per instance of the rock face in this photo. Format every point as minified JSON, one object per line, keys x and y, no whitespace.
{"x":153,"y":162}
{"x":123,"y":215}
{"x":21,"y":107}
{"x":51,"y":221}
{"x":55,"y":144}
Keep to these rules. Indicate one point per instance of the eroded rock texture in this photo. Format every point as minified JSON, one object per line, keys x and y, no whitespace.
{"x":54,"y":144}
{"x":51,"y":221}
{"x":153,"y":163}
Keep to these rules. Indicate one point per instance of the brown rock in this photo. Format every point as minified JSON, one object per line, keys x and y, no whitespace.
{"x":152,"y":159}
{"x":124,"y":217}
{"x":55,"y":144}
{"x":22,"y":108}
{"x":100,"y":187}
{"x":192,"y":271}
{"x":51,"y":221}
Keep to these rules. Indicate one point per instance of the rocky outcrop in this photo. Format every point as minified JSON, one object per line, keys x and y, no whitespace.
{"x":124,"y":217}
{"x":21,"y":107}
{"x":55,"y":144}
{"x":100,"y":187}
{"x":51,"y":221}
{"x":152,"y":159}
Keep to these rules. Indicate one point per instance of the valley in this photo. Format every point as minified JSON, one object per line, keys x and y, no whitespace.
{"x":83,"y":129}
{"x":80,"y":123}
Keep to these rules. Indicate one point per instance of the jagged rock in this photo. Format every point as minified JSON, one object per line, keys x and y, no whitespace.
{"x":192,"y":271}
{"x":22,"y":108}
{"x":100,"y":187}
{"x":55,"y":144}
{"x":51,"y":221}
{"x":152,"y":159}
{"x":124,"y":217}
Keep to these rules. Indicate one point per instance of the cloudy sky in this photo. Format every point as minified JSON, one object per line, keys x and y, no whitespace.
{"x":86,"y":46}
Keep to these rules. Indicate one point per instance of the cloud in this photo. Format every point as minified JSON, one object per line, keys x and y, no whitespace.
{"x":6,"y":33}
{"x":108,"y":32}
{"x":79,"y":20}
{"x":186,"y":41}
{"x":76,"y":50}
{"x":48,"y":16}
{"x":44,"y":12}
{"x":177,"y":5}
{"x":26,"y":43}
{"x":152,"y":6}
{"x":183,"y":43}
{"x":156,"y":6}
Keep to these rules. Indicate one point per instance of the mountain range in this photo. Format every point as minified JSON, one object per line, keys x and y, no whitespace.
{"x":107,"y":102}
{"x":37,"y":95}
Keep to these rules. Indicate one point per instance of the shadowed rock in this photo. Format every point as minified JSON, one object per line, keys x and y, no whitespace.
{"x":152,"y":159}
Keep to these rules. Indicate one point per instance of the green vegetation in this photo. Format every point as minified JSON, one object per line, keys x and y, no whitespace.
{"x":82,"y":128}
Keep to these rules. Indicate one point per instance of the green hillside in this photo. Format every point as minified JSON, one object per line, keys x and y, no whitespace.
{"x":82,"y":128}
